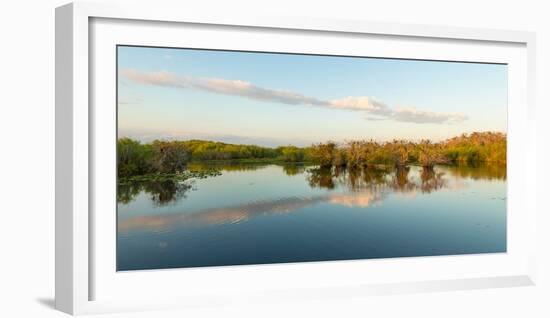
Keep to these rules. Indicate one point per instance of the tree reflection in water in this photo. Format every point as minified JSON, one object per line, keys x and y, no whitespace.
{"x":374,"y":179}
{"x":352,"y":188}
{"x":400,"y":181}
{"x":161,"y":193}
{"x":321,"y":178}
{"x":364,"y":187}
{"x":431,"y":180}
{"x":293,"y":169}
{"x":479,"y":172}
{"x":354,"y":180}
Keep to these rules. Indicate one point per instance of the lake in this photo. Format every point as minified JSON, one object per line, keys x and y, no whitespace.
{"x":269,"y":213}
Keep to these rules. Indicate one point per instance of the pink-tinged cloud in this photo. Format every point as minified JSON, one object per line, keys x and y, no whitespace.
{"x":248,"y":90}
{"x":414,"y":115}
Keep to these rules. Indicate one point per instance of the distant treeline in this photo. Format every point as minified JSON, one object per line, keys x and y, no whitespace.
{"x":135,"y":158}
{"x":471,"y":148}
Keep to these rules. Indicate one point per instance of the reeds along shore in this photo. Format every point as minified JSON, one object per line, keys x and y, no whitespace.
{"x":135,"y":158}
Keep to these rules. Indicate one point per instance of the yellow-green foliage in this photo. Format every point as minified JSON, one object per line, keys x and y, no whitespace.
{"x":400,"y":151}
{"x":359,"y":152}
{"x":473,"y":148}
{"x":135,"y":158}
{"x":211,"y":150}
{"x":323,"y":153}
{"x":429,"y":154}
{"x":291,"y":153}
{"x":476,"y":147}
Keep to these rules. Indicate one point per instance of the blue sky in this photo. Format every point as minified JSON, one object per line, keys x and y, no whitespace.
{"x":278,"y":99}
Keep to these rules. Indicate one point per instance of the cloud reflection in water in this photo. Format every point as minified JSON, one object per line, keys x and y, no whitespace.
{"x":365,"y":187}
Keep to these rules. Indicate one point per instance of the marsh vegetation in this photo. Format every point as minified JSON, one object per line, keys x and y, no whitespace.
{"x":166,"y":169}
{"x":172,"y":157}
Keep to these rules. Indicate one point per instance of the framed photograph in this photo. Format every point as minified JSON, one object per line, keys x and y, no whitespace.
{"x":208,"y":159}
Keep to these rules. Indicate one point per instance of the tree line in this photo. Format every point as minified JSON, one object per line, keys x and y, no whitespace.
{"x":135,"y":158}
{"x":471,"y":148}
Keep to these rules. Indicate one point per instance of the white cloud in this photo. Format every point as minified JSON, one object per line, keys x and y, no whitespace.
{"x":245,"y":89}
{"x":220,"y":86}
{"x":413,"y":115}
{"x":363,"y":103}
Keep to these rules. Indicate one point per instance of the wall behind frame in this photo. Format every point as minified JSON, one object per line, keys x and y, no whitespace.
{"x":27,"y":130}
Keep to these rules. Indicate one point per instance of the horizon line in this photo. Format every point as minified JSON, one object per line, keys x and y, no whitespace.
{"x":175,"y":139}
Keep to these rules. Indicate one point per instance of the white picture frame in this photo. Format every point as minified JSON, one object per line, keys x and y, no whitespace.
{"x":77,"y":138}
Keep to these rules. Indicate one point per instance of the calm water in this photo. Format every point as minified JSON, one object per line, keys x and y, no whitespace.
{"x":256,"y":214}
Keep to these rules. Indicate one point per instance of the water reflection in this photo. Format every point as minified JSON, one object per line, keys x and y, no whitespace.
{"x":431,"y":180}
{"x":400,"y":181}
{"x":161,"y":193}
{"x":370,"y":179}
{"x":321,"y":178}
{"x":479,"y":172}
{"x":426,"y":180}
{"x":257,"y":213}
{"x":243,"y":212}
{"x":361,"y":188}
{"x":293,"y":169}
{"x":166,"y":192}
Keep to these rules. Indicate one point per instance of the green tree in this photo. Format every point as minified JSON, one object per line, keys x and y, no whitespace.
{"x":399,"y":150}
{"x":323,"y":153}
{"x":133,"y":158}
{"x":291,"y":153}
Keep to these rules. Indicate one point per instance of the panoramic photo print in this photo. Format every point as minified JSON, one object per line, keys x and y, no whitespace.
{"x":239,"y":158}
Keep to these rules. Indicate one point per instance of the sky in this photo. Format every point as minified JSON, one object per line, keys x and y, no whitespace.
{"x":273,"y":99}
